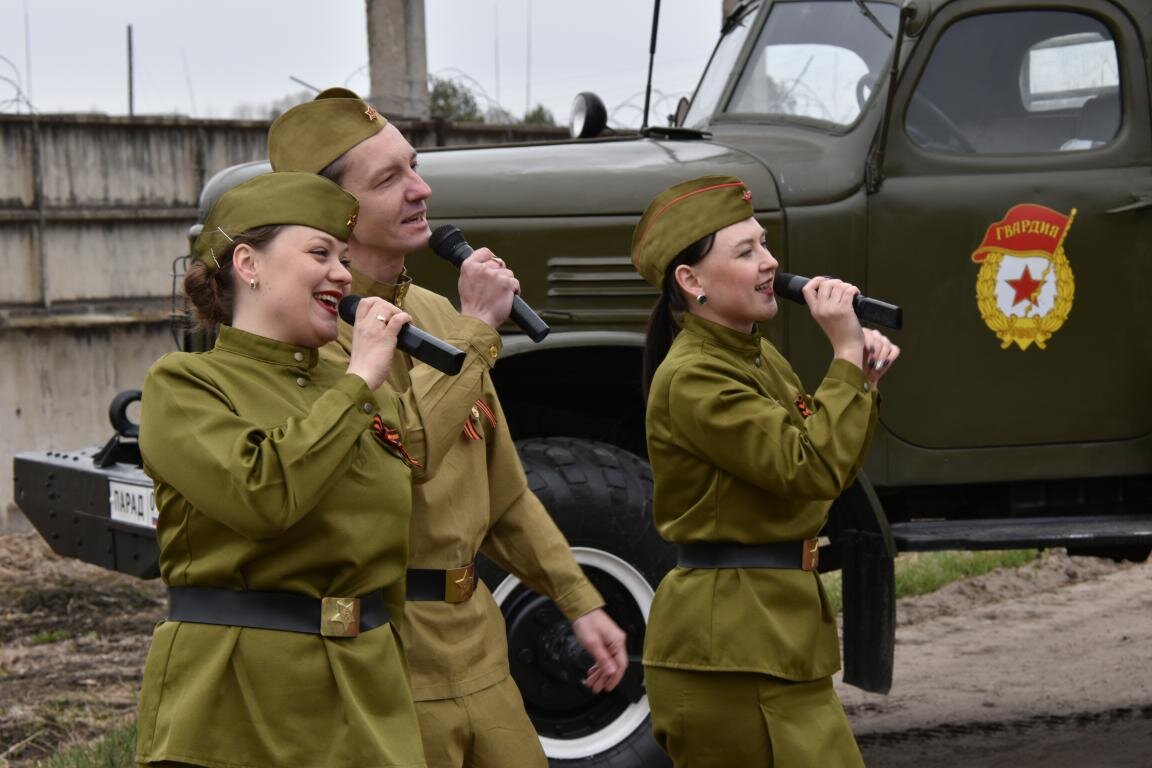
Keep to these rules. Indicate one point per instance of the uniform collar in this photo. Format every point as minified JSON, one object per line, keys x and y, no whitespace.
{"x":721,"y":334}
{"x":264,"y":349}
{"x":394,"y":293}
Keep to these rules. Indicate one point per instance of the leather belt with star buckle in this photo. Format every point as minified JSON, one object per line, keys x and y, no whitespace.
{"x":453,"y":585}
{"x":283,"y":611}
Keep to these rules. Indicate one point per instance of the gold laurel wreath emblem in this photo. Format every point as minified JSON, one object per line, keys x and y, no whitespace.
{"x":1024,"y":330}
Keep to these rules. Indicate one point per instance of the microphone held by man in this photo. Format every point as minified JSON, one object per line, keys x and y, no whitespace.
{"x":419,"y":344}
{"x":449,"y":244}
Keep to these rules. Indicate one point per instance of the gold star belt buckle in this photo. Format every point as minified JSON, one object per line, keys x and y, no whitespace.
{"x":339,"y":616}
{"x":811,"y":558}
{"x":459,"y":583}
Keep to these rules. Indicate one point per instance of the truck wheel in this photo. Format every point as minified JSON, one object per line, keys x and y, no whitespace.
{"x":598,"y":494}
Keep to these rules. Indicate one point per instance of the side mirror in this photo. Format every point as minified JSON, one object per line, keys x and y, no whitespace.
{"x":589,"y":116}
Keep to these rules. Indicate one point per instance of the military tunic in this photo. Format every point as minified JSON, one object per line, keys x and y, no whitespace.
{"x":470,"y":496}
{"x":734,"y":459}
{"x":268,"y":477}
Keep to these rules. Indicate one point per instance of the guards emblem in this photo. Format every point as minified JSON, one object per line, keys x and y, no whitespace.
{"x":1024,"y":289}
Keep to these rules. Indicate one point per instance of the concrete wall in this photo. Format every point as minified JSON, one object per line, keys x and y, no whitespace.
{"x":93,"y":211}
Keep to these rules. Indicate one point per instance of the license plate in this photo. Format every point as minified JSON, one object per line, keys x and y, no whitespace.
{"x":132,"y":504}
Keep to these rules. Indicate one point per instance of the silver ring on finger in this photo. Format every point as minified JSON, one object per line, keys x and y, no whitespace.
{"x":381,"y":318}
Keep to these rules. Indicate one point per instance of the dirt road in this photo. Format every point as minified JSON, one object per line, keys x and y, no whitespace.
{"x":1049,"y":665}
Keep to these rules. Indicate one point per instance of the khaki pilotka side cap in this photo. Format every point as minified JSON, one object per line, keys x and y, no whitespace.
{"x":310,"y":136}
{"x":681,"y":215}
{"x":276,"y":198}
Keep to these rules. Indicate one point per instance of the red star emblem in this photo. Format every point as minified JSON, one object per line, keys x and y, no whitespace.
{"x":747,"y":195}
{"x":371,"y":113}
{"x":1026,"y":287}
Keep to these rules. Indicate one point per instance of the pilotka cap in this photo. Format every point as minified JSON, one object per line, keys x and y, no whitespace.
{"x":276,"y":198}
{"x":681,"y":215}
{"x":311,"y":135}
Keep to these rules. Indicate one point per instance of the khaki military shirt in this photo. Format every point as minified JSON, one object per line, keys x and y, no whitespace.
{"x":267,"y":477}
{"x":470,"y":496}
{"x":735,"y":460}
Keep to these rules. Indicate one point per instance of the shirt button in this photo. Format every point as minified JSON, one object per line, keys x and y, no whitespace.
{"x":757,"y":361}
{"x":493,"y":352}
{"x":367,"y":407}
{"x":866,"y":387}
{"x":301,"y":382}
{"x":299,"y":357}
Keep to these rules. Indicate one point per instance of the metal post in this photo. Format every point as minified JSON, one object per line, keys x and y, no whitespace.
{"x":131,"y":100}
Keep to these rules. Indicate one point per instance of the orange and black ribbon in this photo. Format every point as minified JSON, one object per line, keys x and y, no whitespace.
{"x":472,"y":425}
{"x":390,"y":437}
{"x":802,"y":406}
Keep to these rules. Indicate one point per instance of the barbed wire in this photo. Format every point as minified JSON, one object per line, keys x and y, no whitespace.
{"x":20,"y":97}
{"x":658,"y":106}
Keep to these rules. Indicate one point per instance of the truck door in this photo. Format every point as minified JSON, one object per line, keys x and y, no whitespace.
{"x":1014,"y":225}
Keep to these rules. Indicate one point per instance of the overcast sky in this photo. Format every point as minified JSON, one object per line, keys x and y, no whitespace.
{"x":209,"y":57}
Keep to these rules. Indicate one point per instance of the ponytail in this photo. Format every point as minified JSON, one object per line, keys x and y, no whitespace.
{"x":662,"y":323}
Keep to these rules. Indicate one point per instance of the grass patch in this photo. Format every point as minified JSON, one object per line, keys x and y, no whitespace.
{"x":918,"y":573}
{"x":115,"y":749}
{"x":48,"y":636}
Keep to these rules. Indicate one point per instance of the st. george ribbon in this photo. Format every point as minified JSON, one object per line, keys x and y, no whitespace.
{"x":420,"y":344}
{"x":869,"y":310}
{"x":448,"y":242}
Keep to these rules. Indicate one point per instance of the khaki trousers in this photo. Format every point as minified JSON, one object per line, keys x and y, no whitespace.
{"x":486,"y":729}
{"x":726,"y":719}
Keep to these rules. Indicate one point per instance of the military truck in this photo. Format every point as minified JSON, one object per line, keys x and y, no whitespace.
{"x":984,"y":164}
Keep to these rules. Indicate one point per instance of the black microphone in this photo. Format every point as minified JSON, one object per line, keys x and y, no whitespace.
{"x":870,"y":310}
{"x":420,"y":344}
{"x":448,"y":242}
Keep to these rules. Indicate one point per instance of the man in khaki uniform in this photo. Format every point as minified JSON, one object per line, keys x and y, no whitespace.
{"x":470,"y":493}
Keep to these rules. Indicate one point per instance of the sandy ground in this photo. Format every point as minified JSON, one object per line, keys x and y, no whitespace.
{"x":1047,"y":665}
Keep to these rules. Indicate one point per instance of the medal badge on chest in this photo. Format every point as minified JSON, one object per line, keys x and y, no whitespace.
{"x":479,"y":410}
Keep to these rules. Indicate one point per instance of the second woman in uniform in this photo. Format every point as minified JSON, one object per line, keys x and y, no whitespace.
{"x":741,"y":642}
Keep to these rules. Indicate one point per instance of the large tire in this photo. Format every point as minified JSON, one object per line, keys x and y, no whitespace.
{"x":599,"y":496}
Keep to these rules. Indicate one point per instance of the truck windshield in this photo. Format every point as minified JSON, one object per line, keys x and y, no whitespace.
{"x":817,"y":60}
{"x":715,"y":77}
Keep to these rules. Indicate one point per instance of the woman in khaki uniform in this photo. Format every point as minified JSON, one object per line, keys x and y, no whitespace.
{"x":741,"y":641}
{"x":284,"y":498}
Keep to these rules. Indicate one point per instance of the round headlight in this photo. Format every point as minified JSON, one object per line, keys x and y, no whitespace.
{"x":589,"y":116}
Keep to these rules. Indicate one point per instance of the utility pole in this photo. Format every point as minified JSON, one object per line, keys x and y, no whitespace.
{"x":131,"y":96}
{"x":397,"y":58}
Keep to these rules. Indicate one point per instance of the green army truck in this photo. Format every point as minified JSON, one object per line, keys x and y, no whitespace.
{"x":984,"y":164}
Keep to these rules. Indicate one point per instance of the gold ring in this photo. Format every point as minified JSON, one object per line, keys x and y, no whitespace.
{"x":381,"y":318}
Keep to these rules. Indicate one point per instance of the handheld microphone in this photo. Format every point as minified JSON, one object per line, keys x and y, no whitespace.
{"x":420,"y":344}
{"x":870,"y":310}
{"x":448,"y":242}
